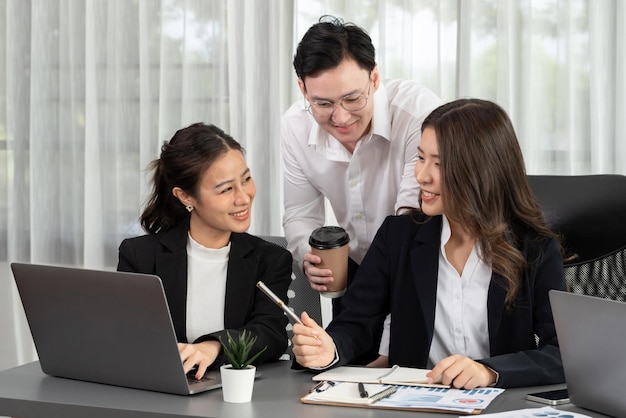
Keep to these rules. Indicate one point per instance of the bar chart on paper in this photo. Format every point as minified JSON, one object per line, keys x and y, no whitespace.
{"x":458,"y":400}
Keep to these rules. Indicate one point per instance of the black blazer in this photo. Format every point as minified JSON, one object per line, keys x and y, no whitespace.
{"x":246,"y":307}
{"x":399,"y":276}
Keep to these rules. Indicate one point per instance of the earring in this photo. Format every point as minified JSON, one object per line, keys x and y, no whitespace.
{"x":189,"y":208}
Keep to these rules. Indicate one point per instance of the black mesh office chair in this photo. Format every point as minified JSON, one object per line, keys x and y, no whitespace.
{"x":301,"y":296}
{"x":590,"y":214}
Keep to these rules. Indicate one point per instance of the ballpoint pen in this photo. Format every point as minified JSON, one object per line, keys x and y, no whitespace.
{"x":362,"y":392}
{"x":278,"y":301}
{"x":385,"y":393}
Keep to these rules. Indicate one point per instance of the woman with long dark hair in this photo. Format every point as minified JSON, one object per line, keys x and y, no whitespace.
{"x":466,"y":276}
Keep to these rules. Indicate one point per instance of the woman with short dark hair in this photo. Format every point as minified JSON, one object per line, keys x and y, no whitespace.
{"x":196,"y":218}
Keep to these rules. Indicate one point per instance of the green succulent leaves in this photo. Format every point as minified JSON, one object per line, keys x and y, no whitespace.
{"x":238,"y":351}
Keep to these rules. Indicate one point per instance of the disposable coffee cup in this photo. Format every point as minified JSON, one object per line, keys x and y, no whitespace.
{"x":330,"y":243}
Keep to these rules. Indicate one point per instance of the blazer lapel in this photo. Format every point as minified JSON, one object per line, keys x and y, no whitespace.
{"x":240,"y":280}
{"x":495,"y":310}
{"x":171,"y":267}
{"x":425,"y":265}
{"x":425,"y":262}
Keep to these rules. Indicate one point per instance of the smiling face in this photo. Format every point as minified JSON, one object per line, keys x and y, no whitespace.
{"x":347,"y":79}
{"x":428,"y":174}
{"x":223,"y":203}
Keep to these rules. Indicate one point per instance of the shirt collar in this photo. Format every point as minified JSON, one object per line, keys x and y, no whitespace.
{"x":445,"y":232}
{"x":381,"y":121}
{"x":445,"y":237}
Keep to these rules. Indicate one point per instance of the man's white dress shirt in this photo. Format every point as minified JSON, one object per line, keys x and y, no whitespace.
{"x":364,"y":187}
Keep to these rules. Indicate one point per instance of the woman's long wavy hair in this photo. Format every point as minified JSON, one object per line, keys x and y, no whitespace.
{"x":183,"y":161}
{"x":484,"y":184}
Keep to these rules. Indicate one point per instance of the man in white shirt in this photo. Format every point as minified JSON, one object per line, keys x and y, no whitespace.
{"x":352,"y":140}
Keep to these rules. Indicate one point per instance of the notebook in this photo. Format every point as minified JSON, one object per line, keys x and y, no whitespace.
{"x":104,"y":326}
{"x":395,"y":375}
{"x":592,"y":339}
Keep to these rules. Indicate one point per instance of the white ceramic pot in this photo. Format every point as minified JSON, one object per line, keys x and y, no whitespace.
{"x":237,"y":384}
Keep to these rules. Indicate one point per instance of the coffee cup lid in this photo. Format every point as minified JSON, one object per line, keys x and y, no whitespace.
{"x":328,"y":237}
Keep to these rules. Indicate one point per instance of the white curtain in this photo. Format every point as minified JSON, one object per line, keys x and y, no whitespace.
{"x":557,"y":66}
{"x":90,"y":89}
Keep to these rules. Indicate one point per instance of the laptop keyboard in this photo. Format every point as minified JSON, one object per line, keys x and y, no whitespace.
{"x":191,"y":377}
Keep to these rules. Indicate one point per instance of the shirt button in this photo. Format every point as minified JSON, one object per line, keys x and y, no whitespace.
{"x":358,"y":215}
{"x":354,"y":183}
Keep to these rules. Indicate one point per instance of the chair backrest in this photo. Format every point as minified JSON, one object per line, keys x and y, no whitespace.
{"x":589,"y":212}
{"x":301,"y":296}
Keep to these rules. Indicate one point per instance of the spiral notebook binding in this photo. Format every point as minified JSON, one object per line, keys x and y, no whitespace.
{"x":382,"y":394}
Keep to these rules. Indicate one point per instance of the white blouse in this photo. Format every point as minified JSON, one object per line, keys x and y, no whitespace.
{"x":461,"y":308}
{"x":206,"y":288}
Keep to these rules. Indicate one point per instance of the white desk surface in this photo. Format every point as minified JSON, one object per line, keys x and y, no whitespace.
{"x":25,"y":391}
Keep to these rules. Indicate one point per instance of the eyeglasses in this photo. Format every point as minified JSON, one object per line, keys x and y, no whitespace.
{"x":351,"y":103}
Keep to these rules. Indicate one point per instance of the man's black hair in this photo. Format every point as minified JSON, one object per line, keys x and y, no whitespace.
{"x":327,"y":43}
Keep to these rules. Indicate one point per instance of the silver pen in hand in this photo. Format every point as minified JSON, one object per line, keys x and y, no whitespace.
{"x":278,"y":301}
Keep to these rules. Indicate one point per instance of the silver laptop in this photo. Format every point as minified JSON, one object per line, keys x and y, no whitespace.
{"x":592,"y":338}
{"x":105,"y":327}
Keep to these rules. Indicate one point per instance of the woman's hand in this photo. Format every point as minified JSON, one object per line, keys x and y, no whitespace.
{"x":461,"y":372}
{"x":312,"y":346}
{"x":201,"y":354}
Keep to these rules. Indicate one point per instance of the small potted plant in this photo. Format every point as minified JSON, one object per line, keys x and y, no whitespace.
{"x":238,"y":376}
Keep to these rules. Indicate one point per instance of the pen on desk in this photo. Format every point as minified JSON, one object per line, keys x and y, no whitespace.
{"x":278,"y":301}
{"x":362,"y":391}
{"x":383,"y":394}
